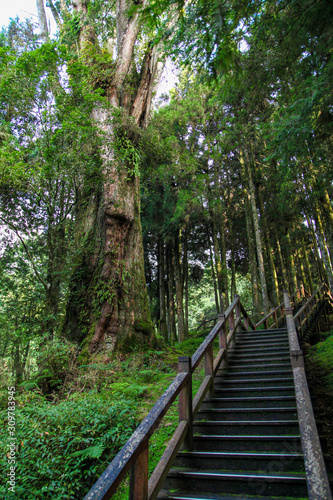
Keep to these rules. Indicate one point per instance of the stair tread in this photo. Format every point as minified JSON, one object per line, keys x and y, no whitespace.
{"x":233,"y":410}
{"x":250,"y":398}
{"x":239,"y":475}
{"x":235,"y":389}
{"x":255,"y":380}
{"x":211,"y":496}
{"x":236,"y":454}
{"x":245,"y":422}
{"x":245,"y":436}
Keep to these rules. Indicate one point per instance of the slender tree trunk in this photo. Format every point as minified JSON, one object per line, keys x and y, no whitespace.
{"x":323,"y":248}
{"x":302,"y":268}
{"x":321,"y":268}
{"x":270,"y":255}
{"x":292,"y":263}
{"x":252,"y":201}
{"x":224,"y":267}
{"x":253,"y":261}
{"x":42,"y":19}
{"x":179,"y":291}
{"x":216,"y":294}
{"x":171,"y":300}
{"x":307,"y":266}
{"x":185,"y":275}
{"x":161,"y":279}
{"x":218,"y":264}
{"x":219,"y":215}
{"x":283,"y":268}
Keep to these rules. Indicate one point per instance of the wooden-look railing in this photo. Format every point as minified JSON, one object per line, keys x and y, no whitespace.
{"x":316,"y":476}
{"x":303,"y":316}
{"x":272,"y":320}
{"x":133,"y":456}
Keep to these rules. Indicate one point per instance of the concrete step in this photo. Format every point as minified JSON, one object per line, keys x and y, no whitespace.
{"x":247,"y":414}
{"x":237,"y":482}
{"x":282,"y":340}
{"x":250,"y":402}
{"x":268,"y":462}
{"x":251,"y":428}
{"x":254,"y":382}
{"x":256,"y":359}
{"x":258,"y":365}
{"x":221,"y":391}
{"x":180,"y":495}
{"x":243,"y":443}
{"x":250,"y":350}
{"x":228,"y":374}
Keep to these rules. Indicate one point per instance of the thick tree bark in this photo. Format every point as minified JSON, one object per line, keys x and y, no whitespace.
{"x":108,"y":304}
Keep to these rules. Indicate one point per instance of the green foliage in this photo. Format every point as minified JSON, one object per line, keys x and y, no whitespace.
{"x":322,"y":355}
{"x":54,"y":360}
{"x":63,"y":448}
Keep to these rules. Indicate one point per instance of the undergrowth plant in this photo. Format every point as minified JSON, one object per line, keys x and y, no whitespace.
{"x":62,"y":449}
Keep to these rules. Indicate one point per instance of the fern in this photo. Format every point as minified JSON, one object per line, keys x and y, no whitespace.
{"x":91,"y":452}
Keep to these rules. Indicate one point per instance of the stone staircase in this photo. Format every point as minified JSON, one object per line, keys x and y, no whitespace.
{"x":246,"y":440}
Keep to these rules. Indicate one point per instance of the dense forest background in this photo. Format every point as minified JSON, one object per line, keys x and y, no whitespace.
{"x":128,"y":216}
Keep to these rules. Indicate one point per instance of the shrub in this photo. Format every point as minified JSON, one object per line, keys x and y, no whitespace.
{"x":62,"y":449}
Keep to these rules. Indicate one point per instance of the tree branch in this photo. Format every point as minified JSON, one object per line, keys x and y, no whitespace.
{"x":26,"y":250}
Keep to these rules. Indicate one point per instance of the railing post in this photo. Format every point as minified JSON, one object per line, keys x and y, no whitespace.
{"x":238,"y":315}
{"x":302,"y":290}
{"x":316,"y":475}
{"x":222,"y":332}
{"x":185,"y":400}
{"x":275,"y":318}
{"x":209,"y":369}
{"x":231,"y":321}
{"x":138,"y":489}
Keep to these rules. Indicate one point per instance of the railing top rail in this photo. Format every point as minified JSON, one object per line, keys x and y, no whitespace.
{"x":269,"y":315}
{"x":309,"y":300}
{"x":108,"y":482}
{"x":199,"y":353}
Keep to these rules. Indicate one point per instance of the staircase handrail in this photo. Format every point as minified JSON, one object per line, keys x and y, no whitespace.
{"x":315,"y":470}
{"x":134,"y":454}
{"x":298,"y":294}
{"x":304,"y":314}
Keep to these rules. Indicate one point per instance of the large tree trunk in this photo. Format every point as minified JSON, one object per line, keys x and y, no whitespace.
{"x":108,"y":304}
